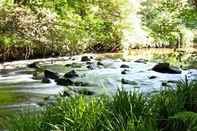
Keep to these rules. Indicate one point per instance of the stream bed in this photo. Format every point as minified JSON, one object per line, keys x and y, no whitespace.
{"x":23,"y":87}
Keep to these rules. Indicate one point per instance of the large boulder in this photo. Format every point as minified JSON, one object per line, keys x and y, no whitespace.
{"x":71,"y":74}
{"x":51,"y":75}
{"x":166,"y":68}
{"x":64,"y":82}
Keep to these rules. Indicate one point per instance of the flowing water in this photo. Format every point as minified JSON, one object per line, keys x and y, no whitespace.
{"x":18,"y":88}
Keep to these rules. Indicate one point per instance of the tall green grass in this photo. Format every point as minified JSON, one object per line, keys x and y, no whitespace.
{"x":168,"y":110}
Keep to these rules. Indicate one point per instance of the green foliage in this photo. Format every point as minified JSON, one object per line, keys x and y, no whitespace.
{"x":60,"y":27}
{"x":184,"y":121}
{"x":166,"y":20}
{"x":130,"y":111}
{"x":77,"y":113}
{"x":26,"y":122}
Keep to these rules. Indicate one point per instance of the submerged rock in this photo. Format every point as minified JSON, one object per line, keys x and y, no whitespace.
{"x":46,"y":98}
{"x":89,"y":63}
{"x":37,"y":75}
{"x":164,"y":83}
{"x":85,"y":58}
{"x":33,"y":65}
{"x":166,"y":68}
{"x":124,"y":81}
{"x":172,"y":81}
{"x":74,"y":65}
{"x":124,"y":72}
{"x":64,"y":82}
{"x":65,"y":94}
{"x":45,"y":80}
{"x":100,"y":63}
{"x":71,"y":74}
{"x":79,"y":83}
{"x":91,"y":67}
{"x":141,"y":61}
{"x":152,"y":77}
{"x":51,"y":75}
{"x":91,"y":57}
{"x":85,"y":92}
{"x":41,"y":103}
{"x":71,"y":58}
{"x":124,"y":66}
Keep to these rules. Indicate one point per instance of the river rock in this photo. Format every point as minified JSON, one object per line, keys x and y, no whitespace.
{"x":85,"y":58}
{"x":64,"y":82}
{"x":91,"y":67}
{"x":45,"y":80}
{"x":89,"y":63}
{"x":172,"y":81}
{"x":124,"y":72}
{"x":41,"y":103}
{"x":152,"y":77}
{"x":164,"y":83}
{"x":124,"y":66}
{"x":71,"y":58}
{"x":51,"y":75}
{"x":85,"y":92}
{"x":71,"y":74}
{"x":141,"y":61}
{"x":65,"y":94}
{"x":37,"y":75}
{"x":166,"y":68}
{"x":124,"y":81}
{"x":74,"y":65}
{"x":100,"y":63}
{"x":33,"y":65}
{"x":79,"y":83}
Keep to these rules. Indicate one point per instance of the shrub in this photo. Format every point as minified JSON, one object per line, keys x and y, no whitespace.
{"x":22,"y":28}
{"x":60,"y":27}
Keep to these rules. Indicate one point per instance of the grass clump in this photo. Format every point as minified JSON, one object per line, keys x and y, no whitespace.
{"x":168,"y":110}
